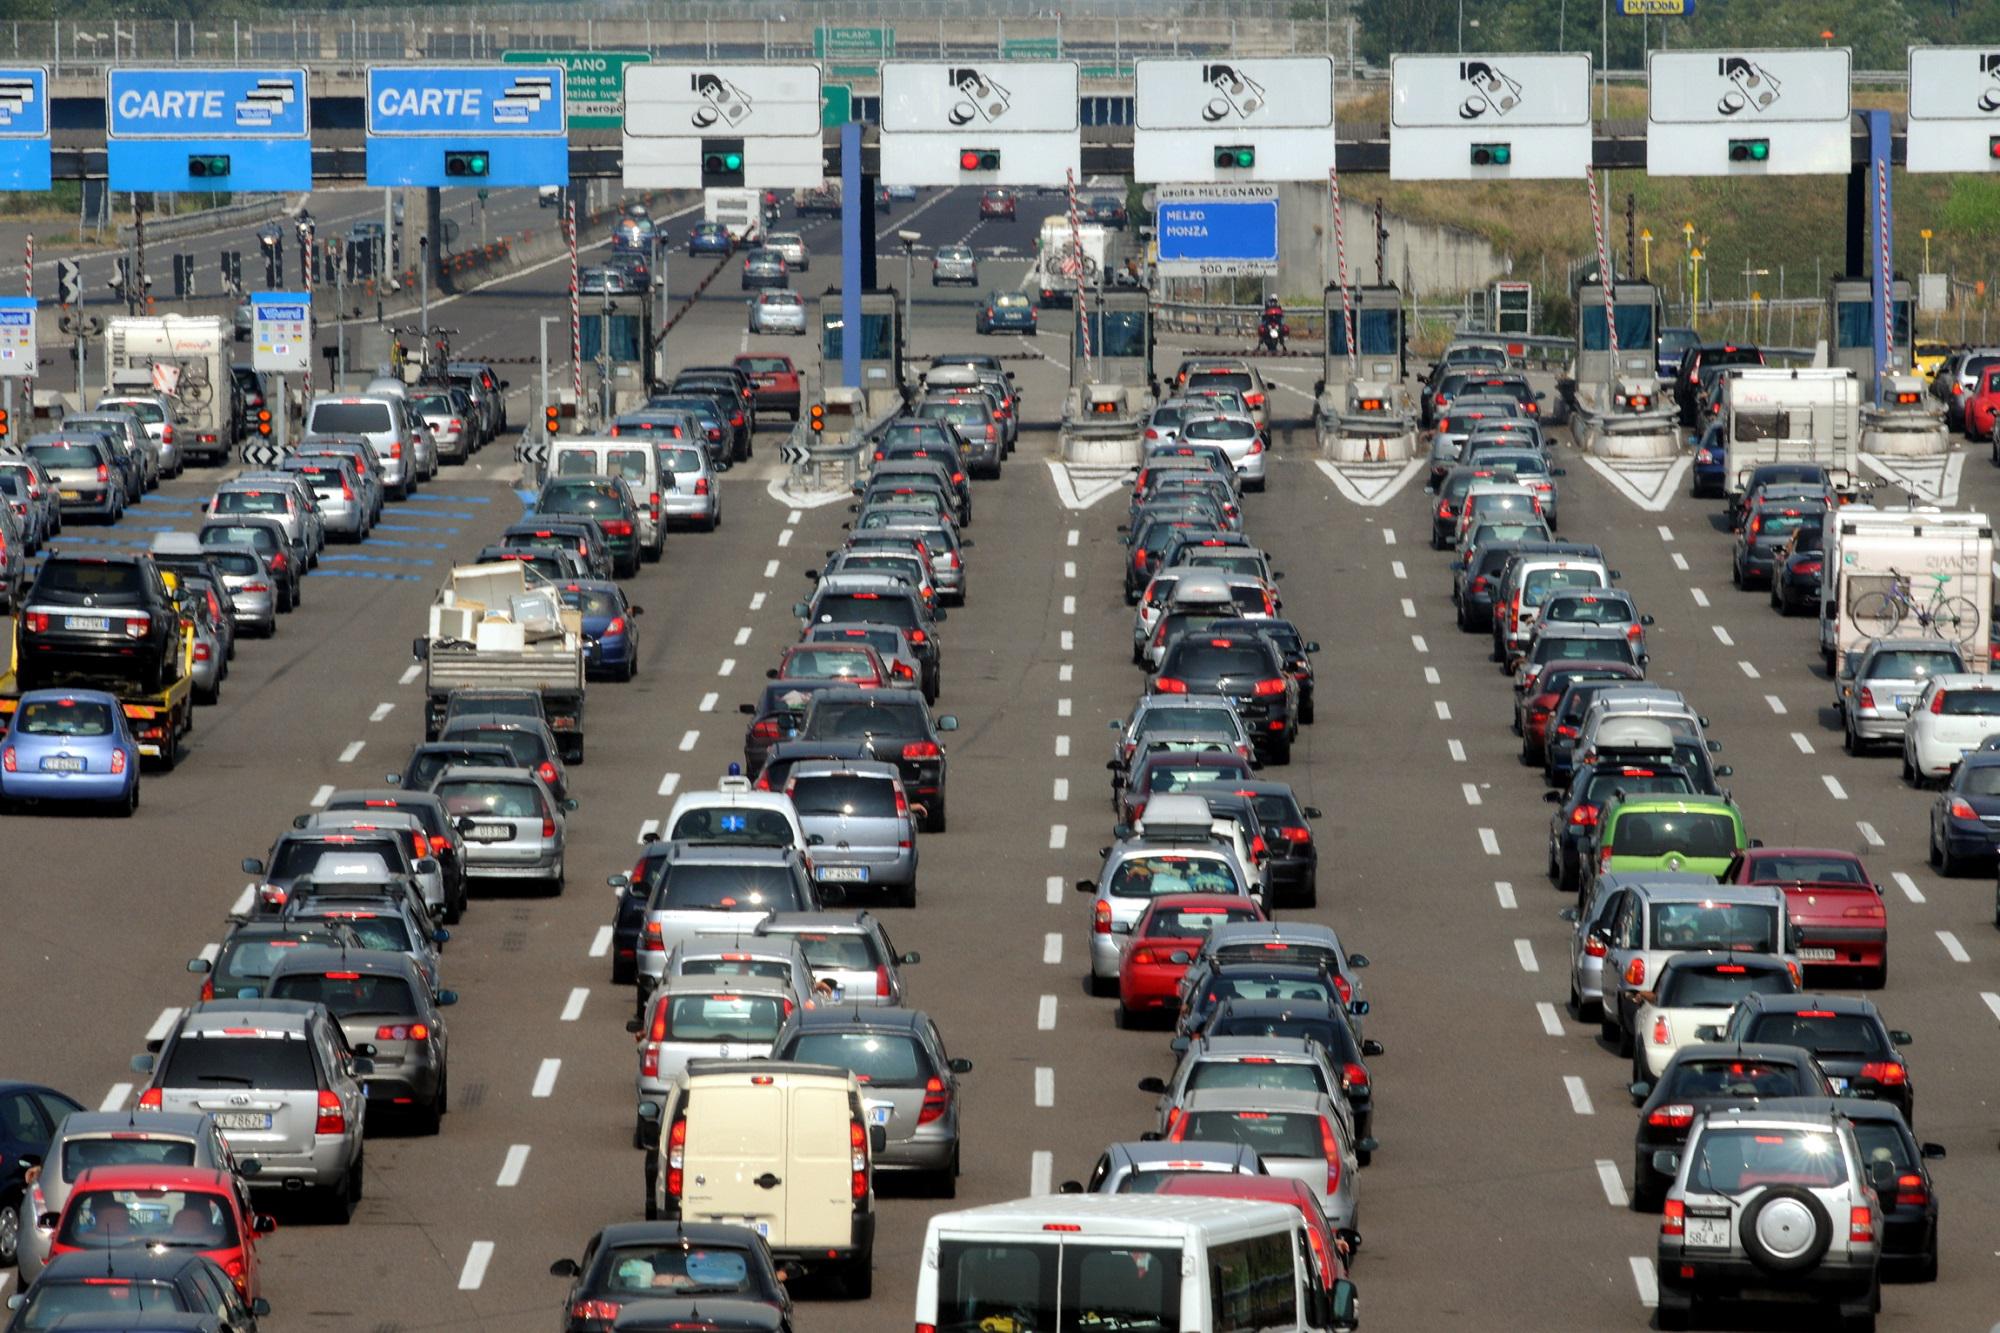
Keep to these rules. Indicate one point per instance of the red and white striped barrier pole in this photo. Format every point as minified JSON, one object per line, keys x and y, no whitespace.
{"x":1076,"y":258}
{"x":1604,"y":279}
{"x":575,"y":313}
{"x":1884,"y":276}
{"x":1340,"y":256}
{"x":28,"y":290}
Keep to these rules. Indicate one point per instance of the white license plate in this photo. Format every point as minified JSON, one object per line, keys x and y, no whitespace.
{"x":1902,"y":702}
{"x":1837,"y":1084}
{"x":96,"y":624}
{"x":62,"y":763}
{"x":850,"y":874}
{"x":880,"y":1114}
{"x":1817,"y":955}
{"x":1709,"y":1232}
{"x":491,"y":832}
{"x":243,"y":1120}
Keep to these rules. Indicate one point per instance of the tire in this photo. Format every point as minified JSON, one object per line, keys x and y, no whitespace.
{"x":1607,"y":1026}
{"x":337,"y":1201}
{"x":935,"y":822}
{"x":858,"y":1278}
{"x":128,"y":808}
{"x":944,"y":1185}
{"x":905,"y":896}
{"x":1102,"y":987}
{"x":1281,"y":753}
{"x":428,"y":1120}
{"x":1673,"y":1312}
{"x":1949,"y":864}
{"x":1795,"y":1206}
{"x":1926,"y":1267}
{"x":10,"y":1230}
{"x":1849,"y":741}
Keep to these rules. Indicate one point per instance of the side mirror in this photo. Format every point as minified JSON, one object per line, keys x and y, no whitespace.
{"x":446,"y":998}
{"x":620,"y":881}
{"x":252,"y":866}
{"x":440,"y":936}
{"x":878,"y":1138}
{"x":1640,"y":1091}
{"x":1647,"y":620}
{"x":466,"y":824}
{"x":300,"y":821}
{"x":1667,"y":1161}
{"x":1150,"y":1136}
{"x":770,"y":673}
{"x":960,"y":1065}
{"x":1313,"y":812}
{"x":1708,"y":1032}
{"x":949,"y":722}
{"x":394,"y":780}
{"x":1702,"y":720}
{"x":649,"y":1111}
{"x":142,"y":1064}
{"x":1357,"y":961}
{"x":1554,"y":797}
{"x":564,"y":1268}
{"x":1179,"y":1045}
{"x":748,"y":710}
{"x":1568,"y":914}
{"x":830,"y":895}
{"x":1181,"y":957}
{"x":1086,"y":886}
{"x":427,"y":865}
{"x":1900,"y":1037}
{"x":1312,"y":645}
{"x":1340,"y":1308}
{"x":47,"y":1222}
{"x":911,"y":958}
{"x":1156,"y":1086}
{"x":569,"y":804}
{"x":1714,"y":747}
{"x":264,"y":1224}
{"x":1371,"y":1047}
{"x":633,"y":1025}
{"x":1931,"y":1151}
{"x":1616,"y":575}
{"x":260,"y":1307}
{"x":1070,"y":1187}
{"x":1724,"y":771}
{"x":363,"y":1066}
{"x":812,"y":839}
{"x":1121,"y":927}
{"x":1359,"y":1008}
{"x":799,"y":608}
{"x":1558,"y":472}
{"x":198,"y":965}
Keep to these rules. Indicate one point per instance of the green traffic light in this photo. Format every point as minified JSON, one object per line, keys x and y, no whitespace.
{"x":732,"y":161}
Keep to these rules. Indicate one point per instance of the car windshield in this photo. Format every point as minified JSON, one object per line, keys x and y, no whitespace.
{"x":1539,"y":583}
{"x":1588,"y":610}
{"x":209,"y":1060}
{"x":1820,"y":1031}
{"x":845,"y":794}
{"x":878,"y":1059}
{"x":843,"y":720}
{"x":1153,"y":876}
{"x":111,"y":1219}
{"x":348,"y":994}
{"x":63,"y":717}
{"x":1732,"y":1161}
{"x":730,"y":888}
{"x":749,"y":826}
{"x":730,"y":1017}
{"x":1742,"y":927}
{"x":1720,"y":985}
{"x":672,"y":1270}
{"x":479,"y":798}
{"x":1271,"y":1133}
{"x":1052,"y":1287}
{"x":122,"y":1149}
{"x":351,"y":419}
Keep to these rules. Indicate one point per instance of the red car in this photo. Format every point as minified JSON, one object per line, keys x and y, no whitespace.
{"x":1537,"y":704}
{"x":1330,"y":1253}
{"x":1983,"y":407}
{"x":195,"y":1208}
{"x":996,"y":204}
{"x":774,"y":382}
{"x":1834,"y":905}
{"x":1164,"y":942}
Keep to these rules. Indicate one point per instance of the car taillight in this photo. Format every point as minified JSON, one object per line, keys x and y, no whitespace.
{"x":936,"y":1102}
{"x":332,"y":1119}
{"x":765,"y":729}
{"x":1330,"y":1148}
{"x":1267,"y":688}
{"x":548,"y":827}
{"x":103,"y":473}
{"x":1911,"y":1191}
{"x":1445,"y":510}
{"x":1889,"y":1073}
{"x":1663,"y":1032}
{"x":150,"y":1100}
{"x":1254,"y":399}
{"x":395,"y":448}
{"x":1756,"y":525}
{"x":1257,"y":446}
{"x":1478,"y":584}
{"x":649,"y":1060}
{"x":1169,"y":685}
{"x":594,"y":1311}
{"x":1635,"y":972}
{"x":677,"y":1138}
{"x":1353,"y":1075}
{"x":1678,"y":1115}
{"x":1959,"y":809}
{"x":138,"y":627}
{"x":1937,"y":703}
{"x":857,"y":1149}
{"x":37,"y":622}
{"x":1346,"y":989}
{"x":1100,"y":923}
{"x":547,"y":771}
{"x":403,"y":1032}
{"x":1861,"y":1224}
{"x":617,"y":527}
{"x":1565,"y":729}
{"x":456,"y":426}
{"x":1593,"y":947}
{"x":917,"y":636}
{"x":701,"y":485}
{"x":921,"y":750}
{"x":1295,"y":834}
{"x":8,"y":762}
{"x":1867,"y":697}
{"x":1584,"y":816}
{"x":1673,"y":1221}
{"x":278,"y":560}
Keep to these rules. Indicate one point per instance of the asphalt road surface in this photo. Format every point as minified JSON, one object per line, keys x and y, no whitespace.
{"x":1497,"y":1197}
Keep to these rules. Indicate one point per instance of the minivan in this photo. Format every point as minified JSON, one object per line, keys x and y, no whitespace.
{"x":381,"y":419}
{"x":1657,"y":916}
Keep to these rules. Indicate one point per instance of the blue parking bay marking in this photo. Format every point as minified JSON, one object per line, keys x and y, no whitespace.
{"x":451,"y":499}
{"x":369,"y":574}
{"x":348,"y":557}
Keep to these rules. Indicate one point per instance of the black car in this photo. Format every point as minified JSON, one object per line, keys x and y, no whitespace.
{"x":1703,"y":1077}
{"x":528,"y":739}
{"x":75,"y":1290}
{"x":1796,"y":570}
{"x":243,"y":962}
{"x":1566,"y":718}
{"x":632,"y":1272}
{"x":330,"y":856}
{"x":1910,"y":1205}
{"x":1577,"y":808}
{"x":631,"y":266}
{"x":434,"y":757}
{"x":1709,"y":356}
{"x":608,"y":500}
{"x":1296,"y":649}
{"x":1108,"y":210}
{"x":580,"y":536}
{"x":1965,"y":818}
{"x":1148,"y":534}
{"x":1767,"y":525}
{"x":778,"y":714}
{"x":1249,"y":671}
{"x":896,"y":728}
{"x":1288,"y":832}
{"x":1472,"y":590}
{"x":1448,"y":495}
{"x":29,"y":1114}
{"x":712,"y":411}
{"x":108,"y":615}
{"x":1788,"y":479}
{"x":900,"y":607}
{"x":1861,"y":1054}
{"x":1325,"y":1025}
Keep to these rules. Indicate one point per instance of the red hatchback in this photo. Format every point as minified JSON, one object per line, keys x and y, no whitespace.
{"x":1983,"y":408}
{"x":1164,"y":943}
{"x":1330,"y":1254}
{"x":1835,"y":907}
{"x":183,"y":1207}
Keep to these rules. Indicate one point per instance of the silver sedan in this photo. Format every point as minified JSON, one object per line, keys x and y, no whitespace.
{"x":513,"y":826}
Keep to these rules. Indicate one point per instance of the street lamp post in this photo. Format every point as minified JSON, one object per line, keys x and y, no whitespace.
{"x":1926,"y":234}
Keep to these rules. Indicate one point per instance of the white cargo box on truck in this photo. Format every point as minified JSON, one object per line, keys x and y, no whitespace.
{"x":1805,"y":415}
{"x":1942,"y":562}
{"x":185,"y":357}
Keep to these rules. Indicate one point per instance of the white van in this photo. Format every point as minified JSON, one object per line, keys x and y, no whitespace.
{"x":1176,"y":1263}
{"x":383,"y":420}
{"x":778,"y":1146}
{"x":634,"y":459}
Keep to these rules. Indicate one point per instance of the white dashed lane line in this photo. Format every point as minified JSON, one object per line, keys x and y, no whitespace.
{"x":1700,"y":597}
{"x":1505,"y":893}
{"x":1777,"y":704}
{"x":1613,"y":1183}
{"x":1388,"y":536}
{"x":511,"y":1167}
{"x":114,"y":1100}
{"x":382,"y":710}
{"x":707,"y":704}
{"x":1471,"y":790}
{"x":474,"y":1273}
{"x":1666,"y":533}
{"x":648,"y":828}
{"x":1431,"y":676}
{"x":1525,"y":951}
{"x":162,"y":1025}
{"x":1069,"y":606}
{"x":1443,"y":710}
{"x":1062,"y":747}
{"x":1799,"y":739}
{"x":573,"y":1009}
{"x":728,"y":667}
{"x":1417,"y":642}
{"x":756,"y":601}
{"x":1045,"y":1014}
{"x":1061,"y":789}
{"x":1992,"y":1001}
{"x":545,"y":1078}
{"x":1953,"y":947}
{"x":785,"y":537}
{"x":1055,"y":890}
{"x":770,"y":569}
{"x":1396,"y":568}
{"x":1058,"y":837}
{"x":690,"y":740}
{"x":742,"y":636}
{"x":1643,"y":1279}
{"x":668,"y":783}
{"x":1045,"y":1086}
{"x":1551,"y":1022}
{"x":1908,"y":886}
{"x":1579,"y":1096}
{"x":323,"y":795}
{"x":600,"y":943}
{"x":1868,"y":833}
{"x":1833,"y":787}
{"x":1457,"y":751}
{"x":1749,"y":670}
{"x":410,"y":674}
{"x":352,"y":751}
{"x":1409,"y":609}
{"x":1041,"y":1172}
{"x":1722,"y":636}
{"x":1489,"y":842}
{"x":1052,"y":949}
{"x":1680,"y":562}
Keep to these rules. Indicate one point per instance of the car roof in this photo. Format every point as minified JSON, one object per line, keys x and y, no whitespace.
{"x":137,"y":1263}
{"x":676,"y":1232}
{"x":1710,"y":957}
{"x":855,"y":922}
{"x":862,"y":1018}
{"x":1149,"y":1151}
{"x":165,"y":1124}
{"x":690,"y":852}
{"x":215,"y":1015}
{"x":1237,"y":1048}
{"x":375,"y":962}
{"x":1801,"y":1000}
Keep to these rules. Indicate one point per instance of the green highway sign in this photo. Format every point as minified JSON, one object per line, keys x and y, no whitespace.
{"x":1031,"y":48}
{"x":874,"y":44}
{"x":595,"y":80}
{"x":836,"y":105}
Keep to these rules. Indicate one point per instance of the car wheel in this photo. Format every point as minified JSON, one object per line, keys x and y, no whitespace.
{"x":1281,"y":753}
{"x":1675,"y":1312}
{"x":430,"y":1119}
{"x":1948,"y":863}
{"x":1789,"y":1207}
{"x":1909,"y":773}
{"x":337,"y":1201}
{"x":945,"y":1186}
{"x":905,"y":895}
{"x":858,"y":1281}
{"x":1848,"y":740}
{"x":1306,"y":712}
{"x":10,"y":1230}
{"x":1309,"y":894}
{"x":1926,"y":1267}
{"x":1102,"y":987}
{"x":1607,"y":1026}
{"x":131,"y":800}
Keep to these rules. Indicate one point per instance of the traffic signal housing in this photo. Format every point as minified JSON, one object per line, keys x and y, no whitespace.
{"x":721,"y":163}
{"x":208,"y":166}
{"x":6,"y":426}
{"x":1993,"y":148}
{"x":466,"y":164}
{"x":816,"y":418}
{"x":1235,"y":157}
{"x":979,"y":159}
{"x":552,"y":419}
{"x":1492,"y":154}
{"x":264,"y":422}
{"x":1749,"y":150}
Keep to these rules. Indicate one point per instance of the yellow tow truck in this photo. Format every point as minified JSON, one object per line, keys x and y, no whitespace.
{"x":159,"y":719}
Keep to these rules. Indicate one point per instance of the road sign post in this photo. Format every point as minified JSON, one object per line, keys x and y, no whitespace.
{"x":1493,"y":117}
{"x":24,"y":128}
{"x":1236,"y":121}
{"x":1217,"y":231}
{"x":680,"y":115}
{"x":1748,"y":113}
{"x":207,"y":129}
{"x":468,"y":125}
{"x":980,"y":123}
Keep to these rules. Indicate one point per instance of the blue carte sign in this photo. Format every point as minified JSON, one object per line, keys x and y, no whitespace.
{"x":24,"y":128}
{"x":467,"y":125}
{"x":208,"y":129}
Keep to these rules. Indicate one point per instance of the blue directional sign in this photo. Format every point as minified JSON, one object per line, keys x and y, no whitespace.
{"x":475,"y":125}
{"x":24,"y":128}
{"x":208,"y":129}
{"x":19,"y":350}
{"x":1219,"y":236}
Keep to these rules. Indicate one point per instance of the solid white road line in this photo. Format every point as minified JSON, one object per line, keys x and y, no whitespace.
{"x":1579,"y":1096}
{"x":353,"y":750}
{"x":323,"y":795}
{"x":1525,"y":951}
{"x":476,"y":1259}
{"x":114,"y":1100}
{"x":1613,"y":1183}
{"x":1907,"y":885}
{"x":512,"y":1165}
{"x":573,"y":1010}
{"x":1052,"y":948}
{"x":1505,"y":893}
{"x":1041,"y":1172}
{"x":668,"y":783}
{"x":545,"y":1078}
{"x":1833,"y":787}
{"x":600,"y":943}
{"x":1489,"y":842}
{"x":381,"y":711}
{"x":1045,"y":1013}
{"x":690,"y":739}
{"x":1643,"y":1279}
{"x":1058,"y":837}
{"x":1045,"y":1086}
{"x":1551,"y":1024}
{"x":1953,"y":947}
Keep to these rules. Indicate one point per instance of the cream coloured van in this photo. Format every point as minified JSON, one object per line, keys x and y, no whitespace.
{"x":633,"y":458}
{"x":781,"y":1147}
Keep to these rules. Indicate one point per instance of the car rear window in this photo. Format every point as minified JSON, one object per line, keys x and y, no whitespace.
{"x":348,"y":994}
{"x":1969,"y":703}
{"x":1881,"y":1141}
{"x":1567,"y":649}
{"x":842,"y":720}
{"x":1156,"y":876}
{"x":1252,"y":987}
{"x":79,"y":1155}
{"x":177,"y":1219}
{"x":737,"y":965}
{"x":1809,"y":869}
{"x":1191,"y":923}
{"x":1737,"y":1077}
{"x":145,"y":409}
{"x":91,"y":578}
{"x":838,"y":951}
{"x":351,"y":419}
{"x":245,"y":964}
{"x":1720,"y":985}
{"x":256,"y":537}
{"x":374,"y":930}
{"x":729,"y":888}
{"x":678,"y":461}
{"x":748,"y":826}
{"x":477,"y":797}
{"x":576,"y":496}
{"x":590,"y":601}
{"x":844,"y":794}
{"x":1219,"y":657}
{"x":1782,"y":522}
{"x":525,"y":747}
{"x":732,"y":1017}
{"x":64,"y":717}
{"x":1271,"y":1133}
{"x":1539,"y":583}
{"x":1218,"y":428}
{"x":250,"y":502}
{"x":1588,"y":610}
{"x":427,"y":764}
{"x":878,"y":1059}
{"x":333,"y":860}
{"x":836,"y":607}
{"x":1169,"y":778}
{"x":966,"y":413}
{"x":1257,"y":1072}
{"x":206,"y":1060}
{"x":65,"y":455}
{"x":1733,"y":1161}
{"x":1689,"y":832}
{"x":1635,"y":781}
{"x":1744,"y":927}
{"x":1820,"y":1031}
{"x":655,"y":1268}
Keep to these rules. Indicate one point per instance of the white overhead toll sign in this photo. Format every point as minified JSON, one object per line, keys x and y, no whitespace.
{"x":673,"y":108}
{"x":979,"y":122}
{"x":1748,"y":112}
{"x":1954,"y":108}
{"x":1489,"y":117}
{"x":1233,"y":120}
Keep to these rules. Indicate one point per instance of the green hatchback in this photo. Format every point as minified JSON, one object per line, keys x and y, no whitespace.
{"x":1698,"y":834}
{"x":609,"y":501}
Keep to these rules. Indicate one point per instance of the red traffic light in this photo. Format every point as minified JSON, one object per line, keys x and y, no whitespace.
{"x":968,"y":161}
{"x":1993,"y":147}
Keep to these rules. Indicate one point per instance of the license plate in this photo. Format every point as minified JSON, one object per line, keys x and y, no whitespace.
{"x":1837,"y":1084}
{"x":1903,"y":702}
{"x":763,"y":1229}
{"x":1816,"y":955}
{"x":1710,"y":1232}
{"x":880,"y":1114}
{"x":70,"y":495}
{"x":243,"y":1120}
{"x":848,"y":874}
{"x":491,"y":832}
{"x":62,"y":763}
{"x":95,"y":624}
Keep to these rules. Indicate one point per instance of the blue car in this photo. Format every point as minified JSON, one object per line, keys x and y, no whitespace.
{"x":1710,"y":474}
{"x":710,"y":238}
{"x":70,"y":745}
{"x":1011,"y":311}
{"x":610,"y":628}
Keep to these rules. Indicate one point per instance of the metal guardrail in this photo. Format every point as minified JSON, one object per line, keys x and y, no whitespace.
{"x":182,"y":225}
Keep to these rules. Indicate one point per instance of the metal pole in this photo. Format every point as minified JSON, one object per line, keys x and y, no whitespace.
{"x":544,"y":323}
{"x":388,"y":245}
{"x":340,"y":309}
{"x":424,"y":287}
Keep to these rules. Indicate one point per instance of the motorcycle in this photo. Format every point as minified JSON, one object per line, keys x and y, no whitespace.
{"x":1271,"y":334}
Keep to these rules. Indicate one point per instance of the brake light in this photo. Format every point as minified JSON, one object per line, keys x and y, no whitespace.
{"x":1867,"y":699}
{"x":37,"y":622}
{"x":1169,"y":685}
{"x":138,"y":627}
{"x":1674,"y":1221}
{"x":395,"y":448}
{"x":1889,"y":1073}
{"x":403,"y":1032}
{"x":548,"y":827}
{"x":332,"y":1119}
{"x":1635,"y":971}
{"x":594,"y":1311}
{"x":701,"y":485}
{"x":917,"y":636}
{"x":1663,"y":1032}
{"x":764,"y":729}
{"x":1478,"y":585}
{"x":677,"y":1138}
{"x":1346,"y":989}
{"x":1678,"y":1115}
{"x":936,"y":1102}
{"x":1937,"y":702}
{"x":547,"y":771}
{"x":1861,"y":1224}
{"x":921,"y":750}
{"x":617,"y":527}
{"x":1330,"y":1148}
{"x":655,"y":941}
{"x":1101,"y":918}
{"x":857,"y":1145}
{"x":1292,"y":834}
{"x":1911,"y":1192}
{"x":278,"y":560}
{"x":150,"y":1100}
{"x":1807,"y":567}
{"x":1584,"y":816}
{"x":1353,"y":1075}
{"x":103,"y":473}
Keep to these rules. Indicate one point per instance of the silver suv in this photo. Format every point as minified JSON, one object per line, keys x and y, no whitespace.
{"x":860,"y":823}
{"x":955,"y":263}
{"x":283,"y":1084}
{"x":1771,"y":1201}
{"x":382,"y":1000}
{"x":381,"y":419}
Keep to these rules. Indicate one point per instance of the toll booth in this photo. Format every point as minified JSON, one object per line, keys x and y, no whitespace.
{"x":1379,"y":337}
{"x":881,"y":336}
{"x":1120,"y":325}
{"x":1851,"y":316}
{"x":617,"y":347}
{"x":1637,"y":316}
{"x":1510,"y":308}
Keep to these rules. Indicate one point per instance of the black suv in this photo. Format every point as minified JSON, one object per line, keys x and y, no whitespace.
{"x":1245,"y":668}
{"x":894,"y":727}
{"x":1706,"y":356}
{"x":99,"y":615}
